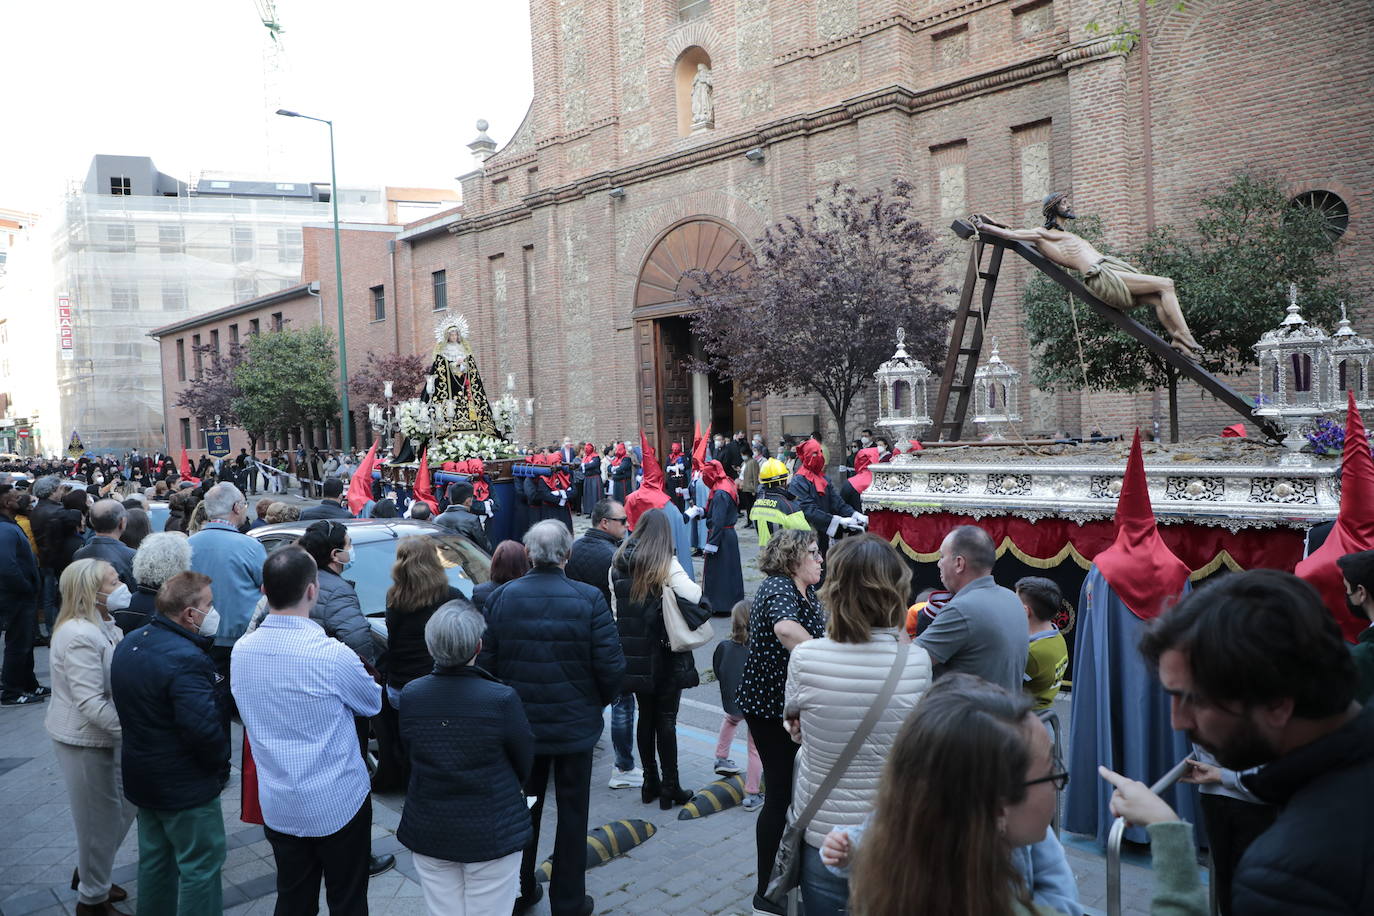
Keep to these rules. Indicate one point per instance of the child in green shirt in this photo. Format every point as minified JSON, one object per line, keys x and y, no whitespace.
{"x":1048,"y":657}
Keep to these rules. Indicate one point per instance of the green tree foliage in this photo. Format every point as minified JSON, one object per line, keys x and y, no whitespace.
{"x":1231,"y":268}
{"x":818,"y":305}
{"x":287,"y":379}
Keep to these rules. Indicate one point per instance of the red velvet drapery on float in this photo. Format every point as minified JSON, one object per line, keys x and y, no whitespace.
{"x":1048,"y":542}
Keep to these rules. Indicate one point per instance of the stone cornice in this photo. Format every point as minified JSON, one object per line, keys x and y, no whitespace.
{"x":897,"y":20}
{"x":1086,"y":52}
{"x":899,"y":98}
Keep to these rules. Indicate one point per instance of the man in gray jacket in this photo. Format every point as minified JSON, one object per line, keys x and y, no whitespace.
{"x":982,"y":630}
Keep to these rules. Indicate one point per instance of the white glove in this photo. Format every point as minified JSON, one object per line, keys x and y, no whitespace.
{"x":836,"y":523}
{"x":860,"y":518}
{"x":682,"y":491}
{"x":852,"y":524}
{"x":693,"y":513}
{"x":709,"y":549}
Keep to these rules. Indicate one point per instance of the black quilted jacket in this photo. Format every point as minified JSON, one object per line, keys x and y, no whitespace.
{"x":554,"y":641}
{"x":470,"y":752}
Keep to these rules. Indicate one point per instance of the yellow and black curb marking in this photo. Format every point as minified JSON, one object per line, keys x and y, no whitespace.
{"x":713,"y":798}
{"x":606,"y":843}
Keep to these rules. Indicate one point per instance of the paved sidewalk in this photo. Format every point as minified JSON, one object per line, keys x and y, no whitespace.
{"x":695,"y":867}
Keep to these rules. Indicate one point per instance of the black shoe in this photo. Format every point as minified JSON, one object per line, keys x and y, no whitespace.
{"x":41,"y":692}
{"x":672,"y":795}
{"x":380,"y":865}
{"x":764,"y":907}
{"x":24,"y":699}
{"x":528,"y":899}
{"x":588,"y":905}
{"x":650,"y":789}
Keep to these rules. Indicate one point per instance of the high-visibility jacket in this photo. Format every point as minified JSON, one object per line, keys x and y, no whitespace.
{"x":774,"y":509}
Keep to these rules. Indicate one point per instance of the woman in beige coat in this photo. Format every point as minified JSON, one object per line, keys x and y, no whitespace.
{"x":832,"y":682}
{"x":82,"y":722}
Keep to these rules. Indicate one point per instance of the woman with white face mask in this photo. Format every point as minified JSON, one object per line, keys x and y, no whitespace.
{"x":84,"y":726}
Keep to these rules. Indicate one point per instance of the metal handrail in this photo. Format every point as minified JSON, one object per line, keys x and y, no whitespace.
{"x":1051,"y":720}
{"x":1117,"y":833}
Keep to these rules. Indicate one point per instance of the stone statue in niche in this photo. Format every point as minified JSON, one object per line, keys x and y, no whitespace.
{"x":703,"y":107}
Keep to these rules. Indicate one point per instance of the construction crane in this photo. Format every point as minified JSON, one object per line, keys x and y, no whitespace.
{"x":273,"y":68}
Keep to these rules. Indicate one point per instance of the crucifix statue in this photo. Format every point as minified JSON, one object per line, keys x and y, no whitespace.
{"x":1112,"y":280}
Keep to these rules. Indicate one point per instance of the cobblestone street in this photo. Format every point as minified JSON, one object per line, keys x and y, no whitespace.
{"x":701,"y":866}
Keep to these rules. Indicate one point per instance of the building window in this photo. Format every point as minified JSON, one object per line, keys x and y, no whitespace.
{"x":120,"y":236}
{"x":171,"y":240}
{"x":289,"y":246}
{"x":1333,"y":211}
{"x":233,"y":335}
{"x":378,"y":303}
{"x":440,"y":290}
{"x":181,"y":360}
{"x":692,"y":9}
{"x":197,"y":357}
{"x":186,"y":432}
{"x":245,"y":288}
{"x":255,"y":326}
{"x":242,"y":244}
{"x":277,"y":321}
{"x":173,"y":297}
{"x":123,"y":298}
{"x":214,"y":341}
{"x":532,"y":180}
{"x":121,"y":186}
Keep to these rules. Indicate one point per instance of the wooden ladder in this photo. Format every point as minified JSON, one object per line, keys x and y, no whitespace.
{"x":965,"y":343}
{"x":953,"y":380}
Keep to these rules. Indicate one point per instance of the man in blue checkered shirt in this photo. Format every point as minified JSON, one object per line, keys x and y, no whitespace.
{"x":298,"y":691}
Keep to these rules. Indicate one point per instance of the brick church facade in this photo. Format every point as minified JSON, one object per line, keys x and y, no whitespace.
{"x":566,"y":253}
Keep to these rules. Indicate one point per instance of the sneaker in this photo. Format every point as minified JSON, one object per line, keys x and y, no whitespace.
{"x":752,"y":802}
{"x":24,"y":699}
{"x":626,"y":779}
{"x":41,"y":692}
{"x":726,"y":767}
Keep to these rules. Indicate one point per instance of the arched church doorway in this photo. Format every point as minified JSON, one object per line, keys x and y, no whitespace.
{"x":671,"y":398}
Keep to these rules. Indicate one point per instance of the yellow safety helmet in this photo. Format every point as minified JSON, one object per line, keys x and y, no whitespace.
{"x":773,"y":471}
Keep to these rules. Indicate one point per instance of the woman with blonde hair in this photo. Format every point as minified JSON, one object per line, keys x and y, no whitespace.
{"x":84,"y":726}
{"x":418,"y":587}
{"x":832,"y":682}
{"x":644,"y":567}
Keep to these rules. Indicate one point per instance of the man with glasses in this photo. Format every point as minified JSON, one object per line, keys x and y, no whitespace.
{"x":233,"y":561}
{"x":590,"y":562}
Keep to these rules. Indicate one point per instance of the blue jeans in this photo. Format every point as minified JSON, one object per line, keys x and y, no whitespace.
{"x":17,"y":622}
{"x":623,"y":731}
{"x":823,"y":892}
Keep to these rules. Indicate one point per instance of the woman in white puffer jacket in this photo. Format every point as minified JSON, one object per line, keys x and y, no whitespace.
{"x":832,"y":682}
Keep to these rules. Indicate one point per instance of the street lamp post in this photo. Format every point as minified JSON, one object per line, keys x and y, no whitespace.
{"x":346,"y":425}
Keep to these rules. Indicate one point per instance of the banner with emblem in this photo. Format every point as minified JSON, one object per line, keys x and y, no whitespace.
{"x":217,"y":443}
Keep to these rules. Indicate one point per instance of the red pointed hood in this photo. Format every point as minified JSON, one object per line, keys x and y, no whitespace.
{"x":714,"y":476}
{"x":862,"y":475}
{"x":360,"y":485}
{"x":650,"y":494}
{"x":1354,"y":528}
{"x":812,"y":464}
{"x":699,"y":448}
{"x":423,"y":491}
{"x":184,"y":471}
{"x":675,"y":452}
{"x":618,"y":455}
{"x":588,"y":451}
{"x":1139,"y":566}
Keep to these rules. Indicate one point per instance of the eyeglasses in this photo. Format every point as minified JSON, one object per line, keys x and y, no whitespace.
{"x":1060,"y":780}
{"x":622,"y":519}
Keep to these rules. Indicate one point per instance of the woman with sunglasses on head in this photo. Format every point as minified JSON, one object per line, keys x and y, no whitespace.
{"x":785,"y":614}
{"x":971,"y":783}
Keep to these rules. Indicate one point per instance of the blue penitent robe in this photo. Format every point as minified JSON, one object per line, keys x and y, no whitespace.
{"x":682,"y":538}
{"x":1120,"y":716}
{"x":701,"y":496}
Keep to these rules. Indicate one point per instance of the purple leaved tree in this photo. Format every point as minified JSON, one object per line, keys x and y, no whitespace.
{"x":817,"y":305}
{"x":212,"y":392}
{"x":405,"y":372}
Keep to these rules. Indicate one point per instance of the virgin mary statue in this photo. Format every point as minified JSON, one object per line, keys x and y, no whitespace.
{"x":453,"y":377}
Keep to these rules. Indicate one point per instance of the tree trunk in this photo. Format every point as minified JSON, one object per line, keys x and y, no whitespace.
{"x":1173,"y":405}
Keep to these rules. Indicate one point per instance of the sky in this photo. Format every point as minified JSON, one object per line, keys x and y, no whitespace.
{"x":182,"y":81}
